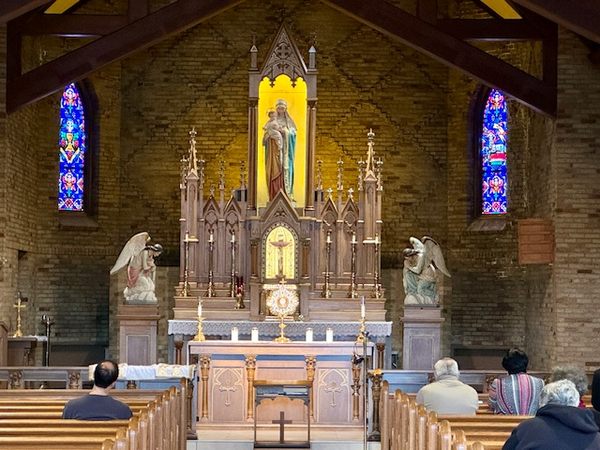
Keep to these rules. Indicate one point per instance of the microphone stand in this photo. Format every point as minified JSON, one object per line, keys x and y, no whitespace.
{"x":46,"y":320}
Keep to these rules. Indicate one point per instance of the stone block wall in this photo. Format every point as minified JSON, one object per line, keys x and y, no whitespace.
{"x":419,"y":111}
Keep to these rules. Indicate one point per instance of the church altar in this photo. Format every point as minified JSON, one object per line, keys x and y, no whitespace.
{"x":228,"y":369}
{"x":279,"y":246}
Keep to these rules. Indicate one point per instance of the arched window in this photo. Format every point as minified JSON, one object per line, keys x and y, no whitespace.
{"x":72,"y":143}
{"x":492,"y":154}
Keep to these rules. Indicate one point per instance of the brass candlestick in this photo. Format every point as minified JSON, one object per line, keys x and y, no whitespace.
{"x":19,"y":306}
{"x":361,"y":331}
{"x":353,"y":293}
{"x":199,"y":333}
{"x":376,"y":281}
{"x":210,"y":291}
{"x":326,"y":287}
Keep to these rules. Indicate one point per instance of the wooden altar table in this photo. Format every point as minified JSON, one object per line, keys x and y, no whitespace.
{"x":227,"y":370}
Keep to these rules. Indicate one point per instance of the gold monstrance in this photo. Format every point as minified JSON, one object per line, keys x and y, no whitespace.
{"x":282,"y":302}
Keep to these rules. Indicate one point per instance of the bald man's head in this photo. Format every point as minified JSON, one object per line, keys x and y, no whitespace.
{"x":106,"y":373}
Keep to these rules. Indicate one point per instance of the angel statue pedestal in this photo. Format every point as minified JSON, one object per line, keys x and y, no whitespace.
{"x":138,"y":326}
{"x":424,"y":271}
{"x":422,"y":337}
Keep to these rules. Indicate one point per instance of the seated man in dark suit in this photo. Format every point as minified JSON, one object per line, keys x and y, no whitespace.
{"x":98,"y":404}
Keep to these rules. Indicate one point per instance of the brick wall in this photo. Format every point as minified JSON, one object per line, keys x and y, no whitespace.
{"x":419,"y":111}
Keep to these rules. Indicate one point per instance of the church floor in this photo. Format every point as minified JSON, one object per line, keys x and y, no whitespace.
{"x":330,"y":438}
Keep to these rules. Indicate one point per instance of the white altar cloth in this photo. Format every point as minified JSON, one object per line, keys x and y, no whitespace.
{"x":270,"y":329}
{"x":153,"y":372}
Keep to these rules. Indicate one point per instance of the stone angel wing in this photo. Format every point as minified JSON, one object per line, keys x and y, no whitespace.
{"x":433,"y":255}
{"x":134,"y":246}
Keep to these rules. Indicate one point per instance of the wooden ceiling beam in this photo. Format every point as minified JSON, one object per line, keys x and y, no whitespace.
{"x":71,"y":25}
{"x":77,"y":64}
{"x":451,"y":51}
{"x":580,"y":16}
{"x":11,"y":9}
{"x":490,"y":29}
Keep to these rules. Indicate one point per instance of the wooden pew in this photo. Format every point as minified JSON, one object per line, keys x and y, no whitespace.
{"x":159,"y":423}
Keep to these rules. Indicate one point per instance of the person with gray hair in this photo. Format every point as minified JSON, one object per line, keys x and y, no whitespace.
{"x":448,"y":395}
{"x":558,"y":424}
{"x":572,"y":373}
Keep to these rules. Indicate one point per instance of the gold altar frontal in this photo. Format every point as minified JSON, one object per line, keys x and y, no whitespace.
{"x":227,"y":371}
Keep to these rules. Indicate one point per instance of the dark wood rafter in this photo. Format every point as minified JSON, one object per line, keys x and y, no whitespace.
{"x":451,"y":51}
{"x":11,"y":9}
{"x":137,"y":9}
{"x":149,"y":30}
{"x":427,"y":10}
{"x":491,"y":29}
{"x":71,"y":25}
{"x":580,"y":16}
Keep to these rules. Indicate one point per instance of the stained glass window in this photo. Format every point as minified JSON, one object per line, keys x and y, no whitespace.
{"x":494,"y":182}
{"x":72,"y":147}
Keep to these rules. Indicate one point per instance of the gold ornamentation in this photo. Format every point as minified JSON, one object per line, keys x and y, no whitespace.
{"x":282,"y":302}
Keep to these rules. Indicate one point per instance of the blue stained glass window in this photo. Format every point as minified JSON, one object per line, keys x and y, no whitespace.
{"x":72,"y":147}
{"x":494,"y":182}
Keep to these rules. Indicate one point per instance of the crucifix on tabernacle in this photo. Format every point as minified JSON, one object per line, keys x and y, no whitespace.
{"x":280,"y":244}
{"x":282,"y":422}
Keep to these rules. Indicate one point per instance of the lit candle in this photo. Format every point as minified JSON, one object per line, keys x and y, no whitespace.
{"x":254,"y":334}
{"x":211,"y":237}
{"x":376,"y":239}
{"x":309,"y":335}
{"x":354,"y":238}
{"x":329,"y":335}
{"x":234,"y":334}
{"x":233,"y":238}
{"x":328,"y":238}
{"x":362,"y":307}
{"x":199,"y":308}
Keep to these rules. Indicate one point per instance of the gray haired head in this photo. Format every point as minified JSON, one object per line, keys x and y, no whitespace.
{"x":572,"y":373}
{"x":446,"y":367}
{"x":562,"y":392}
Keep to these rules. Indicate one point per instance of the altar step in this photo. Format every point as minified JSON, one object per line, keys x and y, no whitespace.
{"x":322,"y":438}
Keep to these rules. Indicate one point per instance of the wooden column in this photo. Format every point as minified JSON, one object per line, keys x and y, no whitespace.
{"x":204,"y":371}
{"x":376,"y":378}
{"x":380,"y":354}
{"x":178,"y":348}
{"x":311,"y":364}
{"x":250,"y":371}
{"x":252,"y":149}
{"x":311,"y":115}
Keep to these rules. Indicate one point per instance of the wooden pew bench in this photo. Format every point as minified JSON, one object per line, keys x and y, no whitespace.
{"x":31,"y":420}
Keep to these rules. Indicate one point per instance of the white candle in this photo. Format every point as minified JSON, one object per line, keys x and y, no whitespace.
{"x":362,"y":307}
{"x":211,"y":237}
{"x":353,"y":238}
{"x":234,"y":334}
{"x":199,"y":308}
{"x":329,"y":335}
{"x":233,"y":238}
{"x":309,"y":335}
{"x":376,"y":239}
{"x":328,"y":238}
{"x":254,"y":334}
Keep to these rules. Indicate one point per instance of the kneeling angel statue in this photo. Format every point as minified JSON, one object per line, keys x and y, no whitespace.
{"x":138,"y":255}
{"x":420,"y":274}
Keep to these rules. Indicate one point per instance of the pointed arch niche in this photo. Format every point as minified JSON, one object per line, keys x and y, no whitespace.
{"x":283,"y":76}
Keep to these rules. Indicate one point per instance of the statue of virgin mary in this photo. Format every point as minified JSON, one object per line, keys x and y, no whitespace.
{"x":288,"y":132}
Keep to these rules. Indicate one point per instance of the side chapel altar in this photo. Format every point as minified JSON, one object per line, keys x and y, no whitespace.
{"x":280,"y":239}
